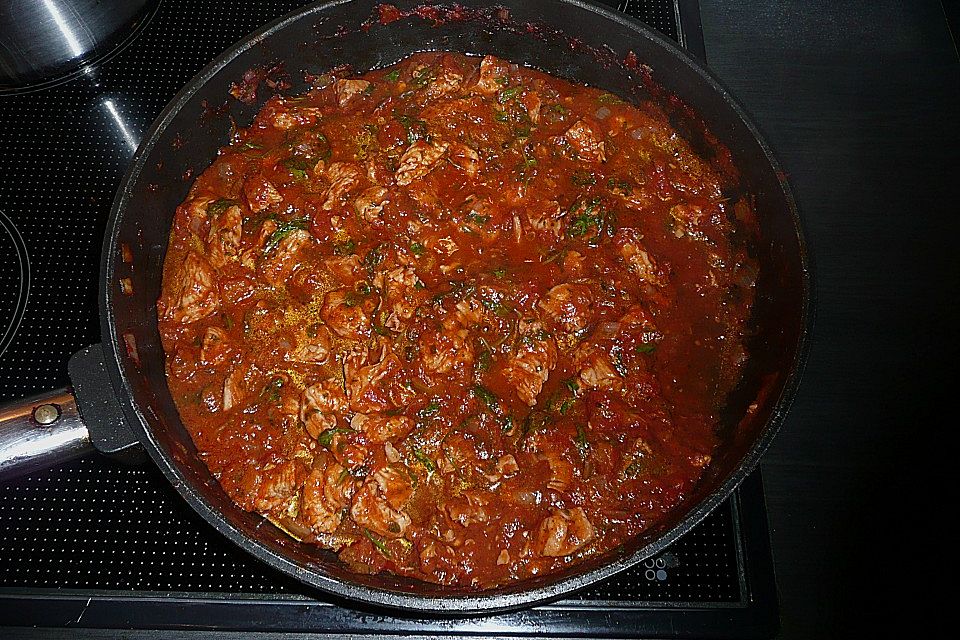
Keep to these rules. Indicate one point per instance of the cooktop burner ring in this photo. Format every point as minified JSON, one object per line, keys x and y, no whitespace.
{"x":11,"y":317}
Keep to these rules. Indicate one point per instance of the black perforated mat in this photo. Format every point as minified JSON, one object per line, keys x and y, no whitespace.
{"x":99,"y":542}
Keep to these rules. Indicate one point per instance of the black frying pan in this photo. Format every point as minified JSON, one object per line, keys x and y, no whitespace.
{"x":120,"y":403}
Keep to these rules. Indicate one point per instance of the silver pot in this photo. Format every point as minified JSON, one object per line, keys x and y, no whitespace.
{"x":43,"y":41}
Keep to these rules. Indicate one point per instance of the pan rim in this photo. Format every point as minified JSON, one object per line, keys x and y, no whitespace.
{"x":460,"y":603}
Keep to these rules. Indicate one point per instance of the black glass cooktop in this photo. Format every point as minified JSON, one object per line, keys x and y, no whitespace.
{"x":97,"y":545}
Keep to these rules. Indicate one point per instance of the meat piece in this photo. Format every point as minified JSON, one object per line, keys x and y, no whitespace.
{"x":278,"y":487}
{"x":418,"y":160}
{"x":223,"y":241}
{"x":401,"y":296}
{"x":196,"y":212}
{"x":469,"y":508}
{"x":261,"y":194}
{"x":447,"y":82}
{"x":447,"y":354}
{"x":343,"y":177}
{"x":215,"y":345}
{"x":594,"y":367}
{"x":493,"y":72}
{"x":321,"y":404}
{"x":584,"y":142}
{"x":531,"y":102}
{"x":347,"y":90}
{"x":250,"y":256}
{"x":532,"y":361}
{"x":637,"y":319}
{"x":568,"y":306}
{"x":507,"y":465}
{"x":282,"y":260}
{"x":380,"y":428}
{"x":325,"y":495}
{"x":379,"y":505}
{"x":638,"y":261}
{"x":345,"y":269}
{"x":312,"y":345}
{"x":234,"y":388}
{"x":195,"y":293}
{"x":347,"y":313}
{"x":370,"y":203}
{"x":563,"y":532}
{"x":561,"y":471}
{"x":464,"y":158}
{"x":289,"y":114}
{"x":547,"y":217}
{"x":379,"y":386}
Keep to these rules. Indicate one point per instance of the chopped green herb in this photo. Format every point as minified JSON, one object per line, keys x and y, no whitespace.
{"x":484,"y":360}
{"x":393,"y":76}
{"x":323,"y":146}
{"x":616,"y":353}
{"x":508,"y":94}
{"x":499,"y":273}
{"x":501,"y":80}
{"x":429,"y":410}
{"x":583,"y":178}
{"x":366,"y":140}
{"x":522,"y":131}
{"x":591,"y":215}
{"x":487,"y":397}
{"x":423,"y":78}
{"x":477,"y":218}
{"x":373,"y":258}
{"x":553,"y":255}
{"x":299,"y":167}
{"x":571,"y":383}
{"x":609,"y":98}
{"x":416,"y":128}
{"x":647,"y":347}
{"x":581,"y":440}
{"x":633,"y":469}
{"x":378,"y":543}
{"x":345,"y":248}
{"x":283,"y":230}
{"x":218,"y":206}
{"x":458,"y":291}
{"x":424,"y":460}
{"x":500,"y":115}
{"x":416,"y":249}
{"x":326,"y":437}
{"x":298,"y":162}
{"x":581,"y":224}
{"x":271,"y":391}
{"x":536,"y":420}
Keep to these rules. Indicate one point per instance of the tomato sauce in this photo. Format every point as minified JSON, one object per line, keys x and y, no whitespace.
{"x":456,"y":319}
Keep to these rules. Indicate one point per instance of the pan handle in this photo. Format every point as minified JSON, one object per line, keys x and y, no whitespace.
{"x":40,"y":432}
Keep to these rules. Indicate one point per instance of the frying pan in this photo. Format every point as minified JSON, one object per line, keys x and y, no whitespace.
{"x":120,"y":404}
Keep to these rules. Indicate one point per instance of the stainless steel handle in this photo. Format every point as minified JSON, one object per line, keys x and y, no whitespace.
{"x":41,"y":432}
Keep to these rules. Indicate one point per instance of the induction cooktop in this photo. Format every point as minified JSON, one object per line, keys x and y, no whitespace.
{"x":96,"y":545}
